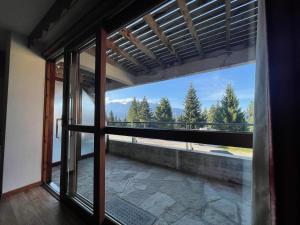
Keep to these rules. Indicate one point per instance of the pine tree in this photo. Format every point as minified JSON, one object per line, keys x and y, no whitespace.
{"x":133,"y":111}
{"x":250,"y":115}
{"x":163,"y":112}
{"x":211,"y":114}
{"x":192,"y":108}
{"x":111,"y":117}
{"x":145,"y":114}
{"x":229,"y":111}
{"x":180,"y":119}
{"x":215,"y":116}
{"x":205,"y":115}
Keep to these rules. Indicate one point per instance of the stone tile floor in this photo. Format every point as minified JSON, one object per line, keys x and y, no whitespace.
{"x":175,"y":198}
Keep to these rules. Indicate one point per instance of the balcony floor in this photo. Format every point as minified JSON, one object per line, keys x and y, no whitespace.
{"x":175,"y":198}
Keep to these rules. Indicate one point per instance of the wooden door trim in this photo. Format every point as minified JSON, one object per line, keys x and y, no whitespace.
{"x":48,"y":121}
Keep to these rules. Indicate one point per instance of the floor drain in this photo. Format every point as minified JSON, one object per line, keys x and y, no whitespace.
{"x":127,"y":213}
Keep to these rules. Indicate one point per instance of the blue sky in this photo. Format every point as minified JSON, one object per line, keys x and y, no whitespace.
{"x":210,"y":87}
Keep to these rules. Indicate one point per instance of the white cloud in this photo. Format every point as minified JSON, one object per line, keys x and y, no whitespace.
{"x":123,"y":101}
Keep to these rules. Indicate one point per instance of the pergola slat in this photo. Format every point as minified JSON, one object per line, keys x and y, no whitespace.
{"x":126,"y":33}
{"x":160,"y":34}
{"x":228,"y":18}
{"x":117,"y":49}
{"x":188,"y":19}
{"x":180,"y":29}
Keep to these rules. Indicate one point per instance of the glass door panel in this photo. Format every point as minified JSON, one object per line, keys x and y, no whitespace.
{"x":82,"y":88}
{"x":83,"y":142}
{"x":54,"y":127}
{"x":56,"y":147}
{"x":81,"y":117}
{"x":81,"y":166}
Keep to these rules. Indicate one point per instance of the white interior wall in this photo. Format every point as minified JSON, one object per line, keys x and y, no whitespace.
{"x":24,"y":124}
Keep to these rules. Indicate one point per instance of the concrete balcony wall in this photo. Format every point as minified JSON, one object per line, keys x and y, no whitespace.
{"x":223,"y":167}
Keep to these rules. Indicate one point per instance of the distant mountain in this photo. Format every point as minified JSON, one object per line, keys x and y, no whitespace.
{"x":121,"y":109}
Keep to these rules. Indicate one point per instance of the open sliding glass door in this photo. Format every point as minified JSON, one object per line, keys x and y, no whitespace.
{"x":83,"y":142}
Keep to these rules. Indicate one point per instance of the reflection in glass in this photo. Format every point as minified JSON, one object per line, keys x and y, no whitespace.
{"x":82,"y":88}
{"x":81,"y":165}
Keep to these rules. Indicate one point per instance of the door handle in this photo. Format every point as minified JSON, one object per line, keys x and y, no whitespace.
{"x":56,"y":127}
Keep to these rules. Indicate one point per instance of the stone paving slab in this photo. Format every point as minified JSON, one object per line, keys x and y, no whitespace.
{"x":175,"y":198}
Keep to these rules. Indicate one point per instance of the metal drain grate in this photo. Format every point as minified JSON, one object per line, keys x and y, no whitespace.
{"x":127,"y":213}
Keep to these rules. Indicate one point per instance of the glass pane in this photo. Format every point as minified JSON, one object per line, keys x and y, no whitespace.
{"x":210,"y":185}
{"x":220,"y":100}
{"x":198,"y":76}
{"x":80,"y":165}
{"x":82,"y":88}
{"x":57,"y":127}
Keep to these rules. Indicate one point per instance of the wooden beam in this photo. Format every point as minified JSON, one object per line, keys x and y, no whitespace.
{"x":239,"y":56}
{"x":115,"y":48}
{"x":188,"y":20}
{"x":228,"y":22}
{"x":48,"y":121}
{"x":118,"y":73}
{"x":126,"y":33}
{"x":160,"y":34}
{"x":99,"y":135}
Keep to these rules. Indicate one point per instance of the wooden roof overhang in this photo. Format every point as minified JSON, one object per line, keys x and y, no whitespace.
{"x":181,"y":30}
{"x":178,"y":32}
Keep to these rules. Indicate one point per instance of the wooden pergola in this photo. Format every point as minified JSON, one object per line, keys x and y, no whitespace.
{"x":182,"y":30}
{"x":176,"y":39}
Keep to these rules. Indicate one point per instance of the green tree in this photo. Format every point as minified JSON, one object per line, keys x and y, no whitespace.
{"x":215,"y":116}
{"x":229,"y":111}
{"x":205,"y":115}
{"x":192,"y":108}
{"x":180,"y":119}
{"x":111,"y":117}
{"x":145,"y":114}
{"x":133,"y":115}
{"x":163,"y":112}
{"x":250,"y":114}
{"x":211,"y":113}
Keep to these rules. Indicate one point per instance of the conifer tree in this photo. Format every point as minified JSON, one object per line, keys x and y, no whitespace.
{"x":133,"y":111}
{"x":205,"y":115}
{"x":111,"y":117}
{"x":145,"y":114}
{"x":215,"y":116}
{"x":250,"y":115}
{"x":229,"y":111}
{"x":192,"y":108}
{"x":163,"y":112}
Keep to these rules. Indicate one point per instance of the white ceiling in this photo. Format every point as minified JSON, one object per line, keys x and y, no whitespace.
{"x":22,"y":15}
